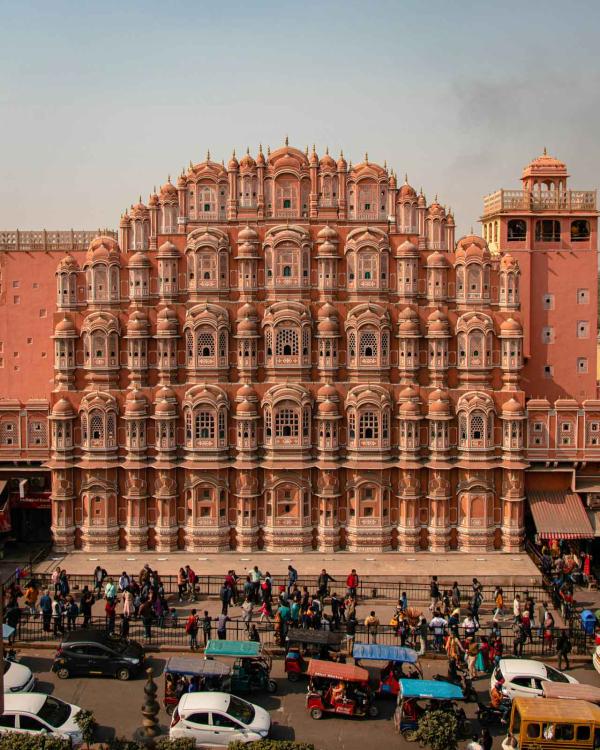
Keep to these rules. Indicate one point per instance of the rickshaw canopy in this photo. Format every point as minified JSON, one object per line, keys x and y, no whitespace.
{"x":570,"y":691}
{"x":380,"y":652}
{"x":439,"y":691}
{"x":316,"y":637}
{"x":335,"y":671}
{"x":236,"y":649}
{"x":533,"y":709}
{"x":197,"y":667}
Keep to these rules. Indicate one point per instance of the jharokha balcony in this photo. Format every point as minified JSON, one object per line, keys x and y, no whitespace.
{"x":546,"y":200}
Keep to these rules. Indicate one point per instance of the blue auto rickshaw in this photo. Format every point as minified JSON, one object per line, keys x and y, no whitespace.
{"x":192,"y":674}
{"x":396,"y":657}
{"x":416,"y":697}
{"x":251,"y":665}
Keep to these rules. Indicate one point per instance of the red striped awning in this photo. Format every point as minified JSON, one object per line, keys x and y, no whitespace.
{"x":559,"y":515}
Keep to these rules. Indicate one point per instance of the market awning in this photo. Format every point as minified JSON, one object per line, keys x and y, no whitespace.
{"x":559,"y":514}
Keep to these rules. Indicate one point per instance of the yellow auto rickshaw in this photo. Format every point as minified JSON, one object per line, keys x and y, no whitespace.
{"x":553,"y":723}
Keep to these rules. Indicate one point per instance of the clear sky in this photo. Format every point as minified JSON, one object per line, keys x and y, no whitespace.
{"x":99,"y":102}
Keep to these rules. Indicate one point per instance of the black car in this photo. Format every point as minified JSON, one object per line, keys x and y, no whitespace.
{"x":91,"y":652}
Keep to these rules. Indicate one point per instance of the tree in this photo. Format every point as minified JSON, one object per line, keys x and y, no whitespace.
{"x":438,"y":730}
{"x":87,"y":723}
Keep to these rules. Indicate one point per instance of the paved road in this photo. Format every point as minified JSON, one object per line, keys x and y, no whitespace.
{"x":117,"y":706}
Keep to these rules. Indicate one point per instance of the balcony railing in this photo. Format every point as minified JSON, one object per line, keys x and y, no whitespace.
{"x":523,"y":200}
{"x":44,"y":240}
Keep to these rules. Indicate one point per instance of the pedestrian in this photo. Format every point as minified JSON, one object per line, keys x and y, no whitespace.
{"x":85,"y":603}
{"x":499,"y":602}
{"x":352,"y":583}
{"x":437,"y":626}
{"x":351,"y":625}
{"x":472,"y":653}
{"x":518,"y":637}
{"x":284,"y":617}
{"x":421,"y":631}
{"x":295,"y":613}
{"x":206,"y":627}
{"x":72,"y":612}
{"x":526,"y":623}
{"x":454,"y":652}
{"x":110,"y":590}
{"x":335,"y":611}
{"x":31,"y":597}
{"x":253,"y":634}
{"x":323,"y":584}
{"x":563,"y":649}
{"x":455,"y":595}
{"x":470,"y":626}
{"x":372,"y":624}
{"x":485,"y":739}
{"x":124,"y":581}
{"x":124,"y":627}
{"x":110,"y":611}
{"x":292,"y":578}
{"x":453,"y":622}
{"x":434,"y":593}
{"x":127,"y":603}
{"x":403,"y":602}
{"x":146,"y":614}
{"x":222,"y":621}
{"x":255,"y":576}
{"x":247,"y":610}
{"x":266,"y":589}
{"x":181,"y":583}
{"x":63,"y":584}
{"x":192,"y":580}
{"x":99,"y":576}
{"x":57,"y":615}
{"x":516,"y":608}
{"x":248,"y":588}
{"x":191,"y":628}
{"x":55,"y":577}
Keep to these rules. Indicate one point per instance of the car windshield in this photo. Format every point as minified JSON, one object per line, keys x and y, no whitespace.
{"x":554,"y":675}
{"x":54,"y":712}
{"x":241,"y":710}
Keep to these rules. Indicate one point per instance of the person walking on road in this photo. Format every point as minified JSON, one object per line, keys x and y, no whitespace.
{"x":291,"y":579}
{"x":46,"y":610}
{"x":352,"y":583}
{"x":323,"y":584}
{"x":563,"y":649}
{"x":372,"y":624}
{"x":191,"y":628}
{"x":255,"y":576}
{"x":434,"y":593}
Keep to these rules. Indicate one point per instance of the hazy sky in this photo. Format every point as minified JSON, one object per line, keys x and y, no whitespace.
{"x":101,"y":101}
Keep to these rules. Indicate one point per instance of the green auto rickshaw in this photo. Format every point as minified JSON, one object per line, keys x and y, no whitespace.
{"x":251,"y":665}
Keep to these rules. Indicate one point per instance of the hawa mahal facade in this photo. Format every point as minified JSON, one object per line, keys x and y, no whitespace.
{"x":295,"y":353}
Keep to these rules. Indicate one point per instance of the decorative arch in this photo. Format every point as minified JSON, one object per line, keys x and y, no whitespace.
{"x":287,"y":417}
{"x":367,"y":259}
{"x":287,"y":335}
{"x":100,"y":331}
{"x":98,"y":412}
{"x":287,"y":253}
{"x":207,"y":256}
{"x":205,"y":410}
{"x":368,"y":331}
{"x":475,"y":341}
{"x":475,"y":412}
{"x":206,"y":335}
{"x":368,"y":410}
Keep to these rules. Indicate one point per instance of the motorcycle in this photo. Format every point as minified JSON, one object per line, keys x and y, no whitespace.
{"x":489,"y":715}
{"x":463,"y":680}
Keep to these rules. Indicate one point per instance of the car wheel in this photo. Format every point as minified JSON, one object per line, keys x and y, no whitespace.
{"x":293,"y":676}
{"x":316,"y":713}
{"x":271,"y":686}
{"x":62,"y":673}
{"x":122,"y":674}
{"x":373,"y":711}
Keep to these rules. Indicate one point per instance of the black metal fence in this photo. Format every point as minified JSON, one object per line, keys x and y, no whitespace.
{"x":370,"y":587}
{"x":172,"y":633}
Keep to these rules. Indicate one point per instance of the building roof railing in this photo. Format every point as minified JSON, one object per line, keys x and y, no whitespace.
{"x":45,"y":240}
{"x":549,"y":200}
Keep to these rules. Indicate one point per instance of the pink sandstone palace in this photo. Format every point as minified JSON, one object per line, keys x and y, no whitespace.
{"x":294,"y":353}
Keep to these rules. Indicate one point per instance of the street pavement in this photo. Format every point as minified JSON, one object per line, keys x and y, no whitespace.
{"x":117,"y":705}
{"x":489,"y":567}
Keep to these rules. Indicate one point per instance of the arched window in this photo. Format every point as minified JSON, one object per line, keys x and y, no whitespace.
{"x":547,"y":230}
{"x":368,"y":344}
{"x":580,"y":230}
{"x":287,"y":270}
{"x":205,"y":342}
{"x":516,"y":230}
{"x":368,"y":426}
{"x":286,"y":423}
{"x":204,"y":426}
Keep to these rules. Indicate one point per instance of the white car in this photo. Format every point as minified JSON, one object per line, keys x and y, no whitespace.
{"x":218,"y":719}
{"x":17,"y":678}
{"x":37,"y":713}
{"x":525,"y":677}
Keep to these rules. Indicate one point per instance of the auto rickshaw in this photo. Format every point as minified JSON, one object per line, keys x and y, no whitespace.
{"x":416,"y":697}
{"x":338,"y":689}
{"x":302,"y":643}
{"x":183,"y":673}
{"x":251,"y":666}
{"x":552,"y":723}
{"x":396,"y":657}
